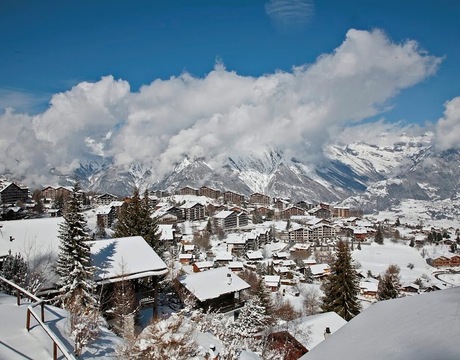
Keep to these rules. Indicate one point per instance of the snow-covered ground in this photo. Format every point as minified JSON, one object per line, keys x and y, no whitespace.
{"x":17,"y":343}
{"x":377,"y":258}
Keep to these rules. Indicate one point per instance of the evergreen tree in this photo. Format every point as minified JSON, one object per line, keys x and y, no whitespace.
{"x":389,"y":284}
{"x":309,"y":275}
{"x":397,"y":223}
{"x":14,"y":269}
{"x":379,"y":235}
{"x":73,"y":263}
{"x":256,"y":217}
{"x":136,"y":220}
{"x":341,"y":288}
{"x":264,"y":297}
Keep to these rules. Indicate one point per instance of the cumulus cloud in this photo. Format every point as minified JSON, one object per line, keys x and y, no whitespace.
{"x":448,"y":127}
{"x":290,"y":13}
{"x":220,"y":115}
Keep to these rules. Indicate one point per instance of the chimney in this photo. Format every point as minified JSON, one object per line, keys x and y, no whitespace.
{"x":229,"y":279}
{"x":327,"y":332}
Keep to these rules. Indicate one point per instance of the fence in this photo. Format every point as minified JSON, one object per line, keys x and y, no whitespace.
{"x":57,"y":343}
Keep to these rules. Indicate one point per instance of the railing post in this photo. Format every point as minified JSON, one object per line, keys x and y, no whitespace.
{"x":28,"y":320}
{"x":55,"y":348}
{"x":42,"y":305}
{"x":18,"y":297}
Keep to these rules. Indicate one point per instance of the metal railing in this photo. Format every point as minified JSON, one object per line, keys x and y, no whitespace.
{"x":57,"y":343}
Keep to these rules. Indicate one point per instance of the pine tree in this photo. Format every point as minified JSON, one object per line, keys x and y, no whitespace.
{"x":309,"y":275}
{"x":341,"y":288}
{"x":14,"y":269}
{"x":136,"y":220}
{"x":389,"y":284}
{"x":264,"y":297}
{"x":379,"y":235}
{"x":73,"y":263}
{"x":77,"y":286}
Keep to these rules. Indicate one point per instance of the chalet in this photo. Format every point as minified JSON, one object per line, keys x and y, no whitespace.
{"x":300,"y":248}
{"x":448,"y":259}
{"x":272,"y":282}
{"x":410,"y":288}
{"x":360,"y":234}
{"x":254,"y":256}
{"x":223,"y":258}
{"x":105,"y":216}
{"x":192,"y":211}
{"x":128,"y":258}
{"x":233,"y":198}
{"x":235,"y":266}
{"x":167,"y":234}
{"x":208,"y":192}
{"x":54,"y":212}
{"x":166,"y":218}
{"x":293,"y":210}
{"x":225,"y":219}
{"x":320,"y":212}
{"x":280,"y":204}
{"x":280,"y":255}
{"x":319,"y":271}
{"x":185,"y":259}
{"x":104,"y":199}
{"x":322,"y":231}
{"x":301,"y":335}
{"x":231,"y":219}
{"x":52,"y":193}
{"x":10,"y":193}
{"x":187,"y":190}
{"x":341,"y":212}
{"x":304,"y":205}
{"x":300,"y":235}
{"x":252,"y":240}
{"x":412,"y":327}
{"x":368,"y":289}
{"x":259,"y":199}
{"x":236,"y":243}
{"x":218,"y":289}
{"x":202,"y":266}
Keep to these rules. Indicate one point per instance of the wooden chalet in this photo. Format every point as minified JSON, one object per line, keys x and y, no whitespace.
{"x":217,"y":289}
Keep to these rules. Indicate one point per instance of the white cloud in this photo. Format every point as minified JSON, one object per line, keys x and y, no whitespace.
{"x":290,"y":13}
{"x":222,"y":114}
{"x":448,"y":127}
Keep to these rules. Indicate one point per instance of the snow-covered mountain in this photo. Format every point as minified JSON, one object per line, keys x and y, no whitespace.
{"x":361,"y":175}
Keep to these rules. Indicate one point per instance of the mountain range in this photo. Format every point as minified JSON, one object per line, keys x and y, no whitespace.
{"x":358,"y":174}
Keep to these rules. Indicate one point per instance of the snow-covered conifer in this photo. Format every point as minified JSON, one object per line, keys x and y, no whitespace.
{"x":14,"y":269}
{"x":341,"y":288}
{"x":389,"y":284}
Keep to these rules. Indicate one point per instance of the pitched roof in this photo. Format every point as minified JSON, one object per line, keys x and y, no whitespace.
{"x":414,"y":327}
{"x":213,"y":283}
{"x":131,"y":257}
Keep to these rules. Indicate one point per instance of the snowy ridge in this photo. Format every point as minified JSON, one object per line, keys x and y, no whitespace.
{"x":371,"y":176}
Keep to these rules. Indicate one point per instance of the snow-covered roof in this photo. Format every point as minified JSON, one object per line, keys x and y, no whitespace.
{"x":130,"y":257}
{"x":213,"y":283}
{"x":319,"y":269}
{"x":309,"y":330}
{"x":166,"y":231}
{"x":369,"y":286}
{"x":272,"y":280}
{"x":223,"y":256}
{"x":223,"y":214}
{"x":414,"y":327}
{"x":254,"y":255}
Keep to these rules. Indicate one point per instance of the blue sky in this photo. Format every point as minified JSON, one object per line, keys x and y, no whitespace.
{"x":50,"y":46}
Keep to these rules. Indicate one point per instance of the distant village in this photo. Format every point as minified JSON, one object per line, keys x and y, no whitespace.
{"x":220,"y":243}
